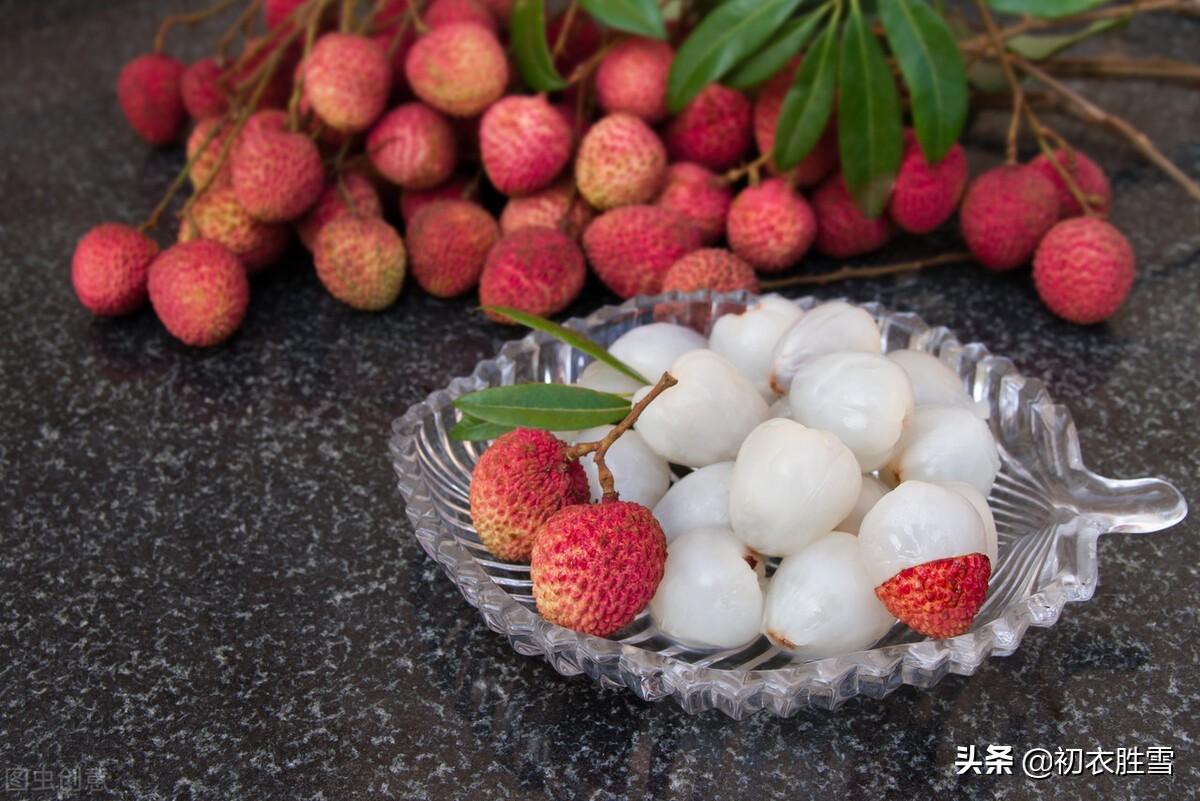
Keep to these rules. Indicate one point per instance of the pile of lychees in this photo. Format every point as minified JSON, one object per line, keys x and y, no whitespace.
{"x":399,"y":140}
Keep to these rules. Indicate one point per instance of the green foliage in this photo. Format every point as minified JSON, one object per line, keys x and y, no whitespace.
{"x":809,"y":101}
{"x":639,"y":17}
{"x":552,"y":407}
{"x":530,"y":49}
{"x":1047,"y":9}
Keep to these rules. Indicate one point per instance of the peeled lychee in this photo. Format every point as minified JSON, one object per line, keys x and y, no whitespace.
{"x":621,"y":161}
{"x":632,"y":78}
{"x":524,"y":144}
{"x":201,"y":89}
{"x":361,"y":261}
{"x":770,"y":226}
{"x":199,"y":291}
{"x":714,"y":269}
{"x":698,"y":500}
{"x":595,"y":566}
{"x":558,"y":206}
{"x":459,"y":69}
{"x":277,"y":175}
{"x":351,"y":194}
{"x":823,"y":157}
{"x":449,"y":241}
{"x":749,"y":339}
{"x":652,"y":349}
{"x":149,"y":90}
{"x":639,"y":474}
{"x":828,"y":328}
{"x":714,"y":130}
{"x":537,"y":270}
{"x":109,"y":269}
{"x":1088,"y":176}
{"x":217,"y":216}
{"x":413,"y":146}
{"x":631,"y":248}
{"x":347,"y":80}
{"x":413,"y":200}
{"x":842,"y":229}
{"x":448,"y":12}
{"x":700,"y":195}
{"x":947,"y":443}
{"x":1005,"y":213}
{"x":1084,"y":270}
{"x":519,"y":483}
{"x":205,"y":164}
{"x":925,"y":195}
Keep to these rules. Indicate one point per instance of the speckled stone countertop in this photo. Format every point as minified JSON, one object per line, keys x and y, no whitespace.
{"x":208,"y":587}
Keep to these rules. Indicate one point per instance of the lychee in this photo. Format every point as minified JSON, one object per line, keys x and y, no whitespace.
{"x":698,"y":500}
{"x":925,"y":195}
{"x":842,"y":229}
{"x":939,"y":598}
{"x":413,"y":200}
{"x":827,"y":328}
{"x":519,"y":483}
{"x":632,"y":78}
{"x":524,"y":143}
{"x":449,"y":242}
{"x":1005,"y":213}
{"x":714,"y":130}
{"x":621,"y":161}
{"x":243,"y":75}
{"x":199,"y":291}
{"x":596,"y":566}
{"x":149,"y":90}
{"x":109,"y":269}
{"x":347,"y":80}
{"x":206,"y":163}
{"x":823,"y":157}
{"x":558,"y":206}
{"x":217,"y":216}
{"x":459,"y":69}
{"x":202,"y":93}
{"x":1083,"y":270}
{"x":714,"y":269}
{"x":700,"y":195}
{"x":631,"y":248}
{"x":448,"y":12}
{"x":361,"y":260}
{"x":276,"y":13}
{"x":413,"y":146}
{"x":1088,"y":176}
{"x":350,"y":194}
{"x":277,"y":175}
{"x":396,"y":43}
{"x":770,"y":226}
{"x":537,"y":270}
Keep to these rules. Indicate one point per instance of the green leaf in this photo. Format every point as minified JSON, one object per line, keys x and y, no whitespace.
{"x":724,"y":38}
{"x":573,"y":338}
{"x":809,"y":101}
{"x":529,"y":47}
{"x":641,"y":17}
{"x":1037,"y":47}
{"x":1046,"y":9}
{"x":553,"y":407}
{"x":762,"y":66}
{"x":870,"y":132}
{"x":933,"y":70}
{"x":472,"y":429}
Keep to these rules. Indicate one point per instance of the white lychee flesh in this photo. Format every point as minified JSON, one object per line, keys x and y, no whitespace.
{"x":872,"y":490}
{"x":602,"y":378}
{"x":639,"y":474}
{"x":652,"y":349}
{"x":748,"y":339}
{"x":985,"y":514}
{"x":828,"y":328}
{"x":933,"y":382}
{"x":947,"y":443}
{"x":698,"y":500}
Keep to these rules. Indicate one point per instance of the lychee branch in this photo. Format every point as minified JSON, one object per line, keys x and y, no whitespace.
{"x":1010,"y":75}
{"x":193,"y":18}
{"x":240,"y":25}
{"x":1027,"y":24}
{"x":1157,"y":69}
{"x":850,"y":273}
{"x":565,"y":33}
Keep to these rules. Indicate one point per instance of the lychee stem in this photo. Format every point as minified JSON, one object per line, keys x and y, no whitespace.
{"x":1018,"y":96}
{"x":585,"y":70}
{"x":1159,"y":69}
{"x":848,"y":273}
{"x":600,"y":447}
{"x":310,"y":35}
{"x":191,"y":18}
{"x":240,"y":25}
{"x":346,"y":17}
{"x":1029,"y":23}
{"x":749,"y":168}
{"x":565,"y":32}
{"x":180,"y":178}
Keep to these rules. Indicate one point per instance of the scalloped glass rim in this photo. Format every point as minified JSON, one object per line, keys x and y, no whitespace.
{"x":1049,"y":509}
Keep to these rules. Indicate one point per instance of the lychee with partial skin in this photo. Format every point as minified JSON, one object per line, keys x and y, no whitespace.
{"x":925,"y":195}
{"x":413,"y":146}
{"x":537,"y":270}
{"x":149,"y":90}
{"x":524,"y":144}
{"x":1083,"y":270}
{"x":714,"y":269}
{"x":700,"y":195}
{"x":449,"y":242}
{"x":201,"y":89}
{"x":558,"y":206}
{"x":361,"y":261}
{"x":460,"y":69}
{"x":842,"y":228}
{"x":218,"y":217}
{"x":109,"y":269}
{"x":633,"y":247}
{"x":413,"y":200}
{"x":1005,"y":213}
{"x":347,"y":79}
{"x":715,"y":129}
{"x":770,"y":226}
{"x":199,"y":291}
{"x":1088,"y":176}
{"x":940,"y":598}
{"x":632,"y":78}
{"x":277,"y":175}
{"x":621,"y":162}
{"x":821,"y":160}
{"x":448,"y":12}
{"x":349,"y":194}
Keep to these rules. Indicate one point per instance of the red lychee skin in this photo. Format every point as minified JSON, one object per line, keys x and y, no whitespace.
{"x":199,"y":291}
{"x":621,"y":162}
{"x":352,"y":187}
{"x":109,"y":269}
{"x":413,"y":200}
{"x":770,"y":226}
{"x":714,"y":269}
{"x":821,"y":160}
{"x":202,"y":93}
{"x":277,"y":12}
{"x":413,"y":146}
{"x":926,"y":195}
{"x":595,"y":566}
{"x":518,"y":484}
{"x":714,"y":130}
{"x":361,"y":261}
{"x":700,"y":195}
{"x":347,"y":79}
{"x":842,"y":229}
{"x":218,"y":217}
{"x":633,"y":78}
{"x":938,"y":599}
{"x":205,"y":164}
{"x":538,"y":270}
{"x":1088,"y":176}
{"x":524,"y":143}
{"x":1084,"y":269}
{"x":547,"y":209}
{"x":459,"y":69}
{"x":449,"y":242}
{"x":277,"y":175}
{"x":632,"y":248}
{"x":448,"y":12}
{"x":149,"y":90}
{"x":1005,"y":213}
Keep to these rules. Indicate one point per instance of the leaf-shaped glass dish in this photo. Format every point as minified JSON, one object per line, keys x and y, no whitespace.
{"x":1049,"y":510}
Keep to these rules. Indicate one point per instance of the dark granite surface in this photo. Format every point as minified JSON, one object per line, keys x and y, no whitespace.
{"x":208,"y":588}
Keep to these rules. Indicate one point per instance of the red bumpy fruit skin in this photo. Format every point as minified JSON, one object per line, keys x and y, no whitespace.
{"x":714,"y":130}
{"x":537,"y":270}
{"x":621,"y":161}
{"x":558,"y":206}
{"x":821,"y":160}
{"x":202,"y":93}
{"x":277,"y":175}
{"x":413,"y":146}
{"x":459,"y":69}
{"x":595,"y":566}
{"x":770,"y":226}
{"x":347,"y":80}
{"x":149,"y":90}
{"x":714,"y":269}
{"x":631,"y":248}
{"x":449,"y":241}
{"x":938,"y":599}
{"x":199,"y":291}
{"x":361,"y":261}
{"x":413,"y":200}
{"x":355,"y":195}
{"x":700,"y":195}
{"x":109,"y":269}
{"x":1005,"y":213}
{"x":519,"y":483}
{"x":206,"y":163}
{"x":926,"y":195}
{"x":218,"y":217}
{"x":1084,"y":269}
{"x":448,"y":12}
{"x":1088,"y":176}
{"x":632,"y":78}
{"x":842,"y":229}
{"x":524,"y":144}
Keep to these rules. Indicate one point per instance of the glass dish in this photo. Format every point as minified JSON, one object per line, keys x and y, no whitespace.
{"x":1049,"y":510}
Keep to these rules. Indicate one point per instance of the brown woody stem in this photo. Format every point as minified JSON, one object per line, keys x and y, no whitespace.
{"x":849,"y":273}
{"x":239,"y":25}
{"x":1018,"y":96}
{"x":179,"y":181}
{"x":564,"y":33}
{"x":749,"y":168}
{"x":192,"y":18}
{"x":1112,"y":12}
{"x":1158,"y":69}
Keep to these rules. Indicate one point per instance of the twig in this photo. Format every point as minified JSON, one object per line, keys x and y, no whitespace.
{"x":584,"y":70}
{"x":850,"y":273}
{"x":564,"y":33}
{"x":346,"y":19}
{"x":310,"y":34}
{"x":750,"y":168}
{"x":238,"y":25}
{"x":1128,"y":10}
{"x":180,"y":178}
{"x":160,"y":39}
{"x":1158,"y":69}
{"x":1018,"y":96}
